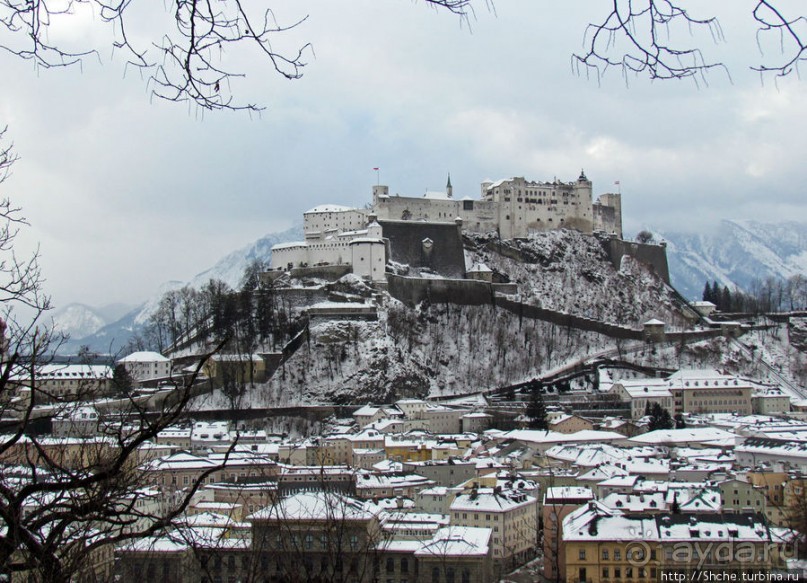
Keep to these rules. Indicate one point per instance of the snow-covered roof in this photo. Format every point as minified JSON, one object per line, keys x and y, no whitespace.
{"x":645,"y":388}
{"x":487,"y":500}
{"x":457,"y":541}
{"x":290,"y":245}
{"x":314,"y":506}
{"x":653,"y":501}
{"x":328,"y":208}
{"x":684,"y":436}
{"x":569,"y":493}
{"x":432,"y":195}
{"x":773,"y":447}
{"x":358,"y":240}
{"x":144,"y":356}
{"x":366,"y":411}
{"x":699,"y":378}
{"x":236,"y":357}
{"x":65,"y":372}
{"x":540,"y":436}
{"x":179,"y":461}
{"x":383,"y":481}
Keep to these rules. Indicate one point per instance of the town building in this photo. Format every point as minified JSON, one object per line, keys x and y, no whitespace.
{"x":511,"y":515}
{"x":701,"y":391}
{"x":144,"y":366}
{"x":603,"y":544}
{"x":63,"y":382}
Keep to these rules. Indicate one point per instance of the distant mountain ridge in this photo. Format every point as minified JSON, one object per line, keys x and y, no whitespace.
{"x":735,"y":253}
{"x":111,"y":336}
{"x":78,"y":320}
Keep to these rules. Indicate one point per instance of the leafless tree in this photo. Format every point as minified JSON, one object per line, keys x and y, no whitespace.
{"x":63,"y":501}
{"x":183,"y":56}
{"x":644,"y":37}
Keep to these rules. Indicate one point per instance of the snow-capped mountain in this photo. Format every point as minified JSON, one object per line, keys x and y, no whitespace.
{"x":77,"y":320}
{"x":230,"y":268}
{"x":111,"y":336}
{"x":735,"y":253}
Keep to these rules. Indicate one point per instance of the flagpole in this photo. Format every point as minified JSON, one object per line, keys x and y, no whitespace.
{"x":377,"y":176}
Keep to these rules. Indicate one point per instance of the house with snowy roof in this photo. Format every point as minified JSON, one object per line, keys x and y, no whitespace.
{"x":512,"y":515}
{"x":456,"y":553}
{"x":571,"y":424}
{"x":689,"y":391}
{"x":605,"y":544}
{"x":710,"y":391}
{"x":58,"y":382}
{"x":309,"y":534}
{"x":144,"y":366}
{"x":371,"y":485}
{"x":643,"y":392}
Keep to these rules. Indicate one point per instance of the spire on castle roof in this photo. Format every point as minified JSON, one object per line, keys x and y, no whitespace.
{"x":582,"y":175}
{"x":449,"y":188}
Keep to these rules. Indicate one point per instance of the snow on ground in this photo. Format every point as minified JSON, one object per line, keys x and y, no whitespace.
{"x":568,"y":271}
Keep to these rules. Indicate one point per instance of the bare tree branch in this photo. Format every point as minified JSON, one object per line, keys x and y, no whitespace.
{"x":643,"y":37}
{"x":185,"y":62}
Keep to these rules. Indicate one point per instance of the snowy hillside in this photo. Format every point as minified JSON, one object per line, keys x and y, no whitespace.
{"x":439,"y":350}
{"x":570,"y":272}
{"x":447,"y":349}
{"x":736,"y":253}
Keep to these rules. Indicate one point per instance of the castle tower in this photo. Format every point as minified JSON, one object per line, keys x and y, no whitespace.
{"x":584,"y":194}
{"x":449,"y":188}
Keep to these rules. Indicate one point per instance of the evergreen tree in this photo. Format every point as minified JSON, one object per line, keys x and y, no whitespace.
{"x":725,"y":300}
{"x":536,"y":411}
{"x":660,"y":418}
{"x":707,"y":293}
{"x":715,"y":294}
{"x":122,"y":382}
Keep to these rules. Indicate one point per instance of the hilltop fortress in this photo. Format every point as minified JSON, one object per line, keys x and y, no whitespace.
{"x":513,"y":208}
{"x":425,"y":231}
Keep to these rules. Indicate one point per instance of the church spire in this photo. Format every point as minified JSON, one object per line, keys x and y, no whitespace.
{"x":449,"y":188}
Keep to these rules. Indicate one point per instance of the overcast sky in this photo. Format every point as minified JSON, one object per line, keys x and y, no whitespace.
{"x":124,"y":192}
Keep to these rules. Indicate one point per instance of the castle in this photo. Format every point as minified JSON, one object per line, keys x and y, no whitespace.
{"x":513,"y":208}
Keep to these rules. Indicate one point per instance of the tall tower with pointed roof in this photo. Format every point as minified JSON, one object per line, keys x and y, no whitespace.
{"x":449,"y":188}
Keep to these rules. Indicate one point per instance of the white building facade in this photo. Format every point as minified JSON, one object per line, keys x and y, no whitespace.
{"x":514,"y":207}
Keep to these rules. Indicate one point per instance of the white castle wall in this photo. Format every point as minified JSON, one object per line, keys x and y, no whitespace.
{"x":514,"y":207}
